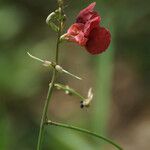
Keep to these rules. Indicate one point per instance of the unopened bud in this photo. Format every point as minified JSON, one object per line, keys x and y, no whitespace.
{"x":67,"y":90}
{"x":64,"y":18}
{"x":59,"y":68}
{"x":60,"y":2}
{"x":47,"y":63}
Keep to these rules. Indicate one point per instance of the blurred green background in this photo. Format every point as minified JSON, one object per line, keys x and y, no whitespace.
{"x":119,"y":77}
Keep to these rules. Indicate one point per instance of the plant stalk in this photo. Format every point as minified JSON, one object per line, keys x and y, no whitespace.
{"x":49,"y":93}
{"x":49,"y":122}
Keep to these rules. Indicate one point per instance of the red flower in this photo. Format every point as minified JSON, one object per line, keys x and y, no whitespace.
{"x":87,"y":31}
{"x":75,"y":34}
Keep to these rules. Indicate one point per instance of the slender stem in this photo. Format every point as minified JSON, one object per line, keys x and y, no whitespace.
{"x":70,"y":90}
{"x":58,"y":37}
{"x":49,"y":93}
{"x":65,"y":71}
{"x":49,"y":122}
{"x":36,"y":58}
{"x":44,"y":114}
{"x":57,"y":46}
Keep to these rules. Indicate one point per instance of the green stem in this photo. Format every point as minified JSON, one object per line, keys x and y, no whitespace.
{"x":44,"y":114}
{"x":70,"y":90}
{"x":49,"y":122}
{"x":49,"y":94}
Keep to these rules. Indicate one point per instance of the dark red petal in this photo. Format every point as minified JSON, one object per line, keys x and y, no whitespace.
{"x":95,"y":14}
{"x":90,"y":25}
{"x":98,"y":40}
{"x":86,"y":13}
{"x":87,"y":9}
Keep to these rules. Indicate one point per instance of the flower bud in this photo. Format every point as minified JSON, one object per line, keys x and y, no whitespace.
{"x":60,"y":2}
{"x":47,"y":63}
{"x":59,"y":68}
{"x":64,"y":18}
{"x":67,"y":90}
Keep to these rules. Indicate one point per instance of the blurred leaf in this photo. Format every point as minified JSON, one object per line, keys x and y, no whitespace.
{"x":11,"y":22}
{"x":4,"y":133}
{"x":72,"y":140}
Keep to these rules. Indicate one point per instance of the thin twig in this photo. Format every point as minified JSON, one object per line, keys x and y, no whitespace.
{"x":65,"y":71}
{"x":36,"y":58}
{"x":49,"y":122}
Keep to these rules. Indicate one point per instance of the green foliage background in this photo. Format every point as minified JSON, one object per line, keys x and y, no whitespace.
{"x":119,"y":77}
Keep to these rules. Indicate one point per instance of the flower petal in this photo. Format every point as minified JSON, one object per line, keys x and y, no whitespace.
{"x":85,"y":14}
{"x":80,"y":39}
{"x":75,"y":28}
{"x":98,"y":40}
{"x":91,"y":24}
{"x":75,"y":34}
